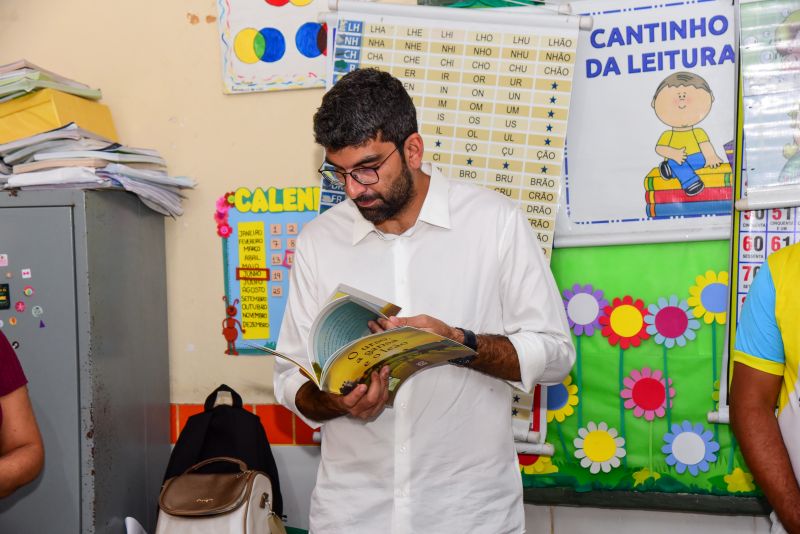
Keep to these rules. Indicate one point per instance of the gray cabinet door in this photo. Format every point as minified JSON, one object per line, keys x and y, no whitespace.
{"x":41,"y":239}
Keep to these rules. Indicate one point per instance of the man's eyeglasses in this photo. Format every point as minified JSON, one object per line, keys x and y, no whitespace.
{"x":362,"y":175}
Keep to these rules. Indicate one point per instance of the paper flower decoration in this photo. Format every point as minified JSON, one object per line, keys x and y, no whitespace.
{"x":560,"y":400}
{"x":671,"y":322}
{"x":623,"y":322}
{"x":224,"y":230}
{"x":738,"y":480}
{"x":599,"y":447}
{"x":223,"y":205}
{"x":710,"y":297}
{"x":646,"y":393}
{"x":583,"y":305}
{"x":536,"y":465}
{"x":690,"y":447}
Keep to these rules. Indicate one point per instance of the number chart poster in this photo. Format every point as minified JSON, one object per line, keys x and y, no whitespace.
{"x":492,"y":99}
{"x":271,"y":45}
{"x":652,"y":110}
{"x":259,"y":229}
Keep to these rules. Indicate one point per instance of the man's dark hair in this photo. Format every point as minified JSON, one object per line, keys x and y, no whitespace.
{"x":363,"y":104}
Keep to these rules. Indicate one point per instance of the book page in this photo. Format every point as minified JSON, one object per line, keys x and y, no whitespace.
{"x":342,"y":322}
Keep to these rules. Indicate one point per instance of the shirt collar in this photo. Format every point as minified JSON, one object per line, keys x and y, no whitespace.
{"x":435,"y":210}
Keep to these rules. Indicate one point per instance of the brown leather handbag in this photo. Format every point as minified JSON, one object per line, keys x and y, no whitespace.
{"x":218,"y":503}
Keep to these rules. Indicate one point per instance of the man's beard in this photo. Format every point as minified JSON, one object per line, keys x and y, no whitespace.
{"x":397,"y":198}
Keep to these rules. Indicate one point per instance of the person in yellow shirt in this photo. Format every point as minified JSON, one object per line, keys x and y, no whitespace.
{"x":765,"y":375}
{"x":681,"y":102}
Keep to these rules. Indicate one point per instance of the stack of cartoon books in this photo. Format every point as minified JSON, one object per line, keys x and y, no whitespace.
{"x":665,"y":198}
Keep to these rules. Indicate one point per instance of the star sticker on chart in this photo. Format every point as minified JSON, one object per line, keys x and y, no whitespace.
{"x":516,"y":398}
{"x":505,"y":164}
{"x":544,"y":169}
{"x":551,"y":114}
{"x":554,"y":85}
{"x":438,"y":143}
{"x":549,"y":127}
{"x":547,"y":141}
{"x":469,"y":161}
{"x":514,"y":411}
{"x":552,"y":100}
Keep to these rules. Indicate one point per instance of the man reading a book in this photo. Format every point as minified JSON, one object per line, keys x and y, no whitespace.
{"x":459,"y":260}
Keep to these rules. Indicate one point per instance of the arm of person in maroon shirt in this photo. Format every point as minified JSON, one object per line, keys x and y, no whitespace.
{"x":752,"y":408}
{"x":21,"y":449}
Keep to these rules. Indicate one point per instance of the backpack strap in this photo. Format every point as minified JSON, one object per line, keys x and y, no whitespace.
{"x":237,"y":399}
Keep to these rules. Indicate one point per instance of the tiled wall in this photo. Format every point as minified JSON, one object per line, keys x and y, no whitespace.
{"x":282,"y":426}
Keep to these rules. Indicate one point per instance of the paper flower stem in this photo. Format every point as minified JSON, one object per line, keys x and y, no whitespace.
{"x":622,"y":403}
{"x":714,"y":371}
{"x":732,"y":455}
{"x":650,"y":446}
{"x":666,"y":381}
{"x":579,"y":369}
{"x":562,"y":440}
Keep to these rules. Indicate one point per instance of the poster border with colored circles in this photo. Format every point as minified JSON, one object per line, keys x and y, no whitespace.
{"x":271,"y":45}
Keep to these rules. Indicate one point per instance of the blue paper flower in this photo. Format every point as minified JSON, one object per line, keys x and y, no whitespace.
{"x":690,"y":447}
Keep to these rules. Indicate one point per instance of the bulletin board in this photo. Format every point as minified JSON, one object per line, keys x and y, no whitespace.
{"x":258,"y":229}
{"x":629,"y":424}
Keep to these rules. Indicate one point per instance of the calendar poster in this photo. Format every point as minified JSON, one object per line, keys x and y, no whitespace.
{"x":259,"y":228}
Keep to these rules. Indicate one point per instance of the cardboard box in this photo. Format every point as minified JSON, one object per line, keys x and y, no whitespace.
{"x":44,"y":110}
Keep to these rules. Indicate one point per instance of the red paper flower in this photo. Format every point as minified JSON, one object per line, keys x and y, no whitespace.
{"x":623,"y":322}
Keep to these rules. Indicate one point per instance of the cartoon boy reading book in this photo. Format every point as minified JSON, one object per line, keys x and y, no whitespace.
{"x":682,"y":101}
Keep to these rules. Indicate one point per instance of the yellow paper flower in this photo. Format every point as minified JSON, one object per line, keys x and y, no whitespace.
{"x":560,"y":400}
{"x":739,"y":481}
{"x":710,"y":297}
{"x":643,"y":474}
{"x":599,"y":447}
{"x":542,"y":466}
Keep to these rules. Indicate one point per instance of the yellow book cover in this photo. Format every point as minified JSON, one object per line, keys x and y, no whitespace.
{"x":343,"y":352}
{"x":719,"y":177}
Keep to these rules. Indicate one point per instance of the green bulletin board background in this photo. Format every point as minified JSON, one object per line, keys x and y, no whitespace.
{"x":646,"y":272}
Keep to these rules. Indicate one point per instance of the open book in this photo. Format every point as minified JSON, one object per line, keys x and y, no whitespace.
{"x":342,"y":352}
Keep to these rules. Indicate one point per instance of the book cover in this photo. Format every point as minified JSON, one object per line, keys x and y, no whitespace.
{"x":668,"y":196}
{"x":683,"y":209}
{"x":343,"y":352}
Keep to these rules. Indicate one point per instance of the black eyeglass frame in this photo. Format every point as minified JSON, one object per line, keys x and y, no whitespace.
{"x":340,"y":177}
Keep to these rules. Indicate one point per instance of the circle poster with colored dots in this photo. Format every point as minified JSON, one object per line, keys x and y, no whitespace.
{"x":272,"y":45}
{"x":259,"y":229}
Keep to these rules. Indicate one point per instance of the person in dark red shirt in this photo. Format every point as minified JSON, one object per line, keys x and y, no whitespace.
{"x":21,"y":449}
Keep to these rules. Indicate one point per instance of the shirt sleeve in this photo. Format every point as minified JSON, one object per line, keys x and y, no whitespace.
{"x":301,"y":308}
{"x":758,"y":338}
{"x":11,"y":375}
{"x":700,"y":135}
{"x":533,"y":312}
{"x":665,"y":138}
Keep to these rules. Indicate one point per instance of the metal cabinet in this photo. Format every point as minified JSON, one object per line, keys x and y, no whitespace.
{"x":85,"y":275}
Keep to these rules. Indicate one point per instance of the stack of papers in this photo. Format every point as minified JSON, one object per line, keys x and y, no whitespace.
{"x":72,"y":157}
{"x":22,"y":77}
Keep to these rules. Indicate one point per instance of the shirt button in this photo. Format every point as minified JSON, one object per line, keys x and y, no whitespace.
{"x":403,"y":405}
{"x":402,"y":448}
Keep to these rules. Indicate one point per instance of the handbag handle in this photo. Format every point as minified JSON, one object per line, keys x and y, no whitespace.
{"x":237,"y":399}
{"x":195,"y":467}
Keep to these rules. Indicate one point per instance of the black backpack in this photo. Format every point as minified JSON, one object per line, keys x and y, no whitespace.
{"x":225,"y":431}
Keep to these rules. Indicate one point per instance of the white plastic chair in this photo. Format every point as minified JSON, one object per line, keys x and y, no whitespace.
{"x":132,"y":526}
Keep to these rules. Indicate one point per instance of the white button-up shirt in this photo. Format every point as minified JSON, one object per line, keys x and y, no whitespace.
{"x":442,"y":460}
